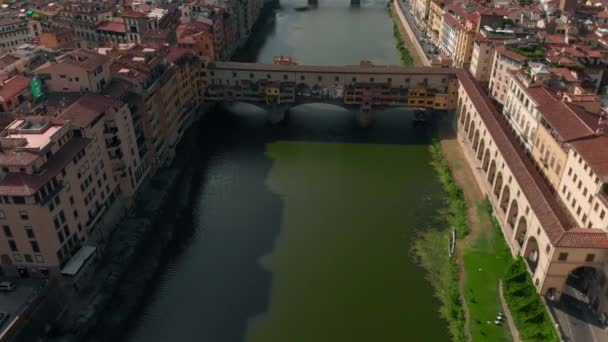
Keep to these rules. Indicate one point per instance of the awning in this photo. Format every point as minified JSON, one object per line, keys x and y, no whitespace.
{"x":76,"y":263}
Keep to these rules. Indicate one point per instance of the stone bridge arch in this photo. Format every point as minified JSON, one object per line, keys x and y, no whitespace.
{"x":498,"y":185}
{"x":476,"y":140}
{"x":492,"y":172}
{"x":505,"y":198}
{"x":521,"y":232}
{"x":513,"y":214}
{"x":481,"y":149}
{"x":471,"y":131}
{"x":467,"y":122}
{"x":532,"y":254}
{"x":486,"y":161}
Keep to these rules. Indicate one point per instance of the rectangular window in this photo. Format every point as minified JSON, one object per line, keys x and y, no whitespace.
{"x":12,"y":245}
{"x":29,"y":231}
{"x":563,"y":256}
{"x":35,"y":246}
{"x":590,"y":257}
{"x":2,"y":215}
{"x":24,"y":215}
{"x":7,"y":231}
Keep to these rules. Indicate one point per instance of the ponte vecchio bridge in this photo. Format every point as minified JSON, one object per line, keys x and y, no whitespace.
{"x":364,"y":87}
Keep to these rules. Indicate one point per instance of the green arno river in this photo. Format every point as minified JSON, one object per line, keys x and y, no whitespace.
{"x":302,"y":232}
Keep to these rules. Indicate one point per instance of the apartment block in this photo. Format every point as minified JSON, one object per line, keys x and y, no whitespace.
{"x":504,"y":61}
{"x":13,"y":32}
{"x":77,"y":71}
{"x":165,"y":87}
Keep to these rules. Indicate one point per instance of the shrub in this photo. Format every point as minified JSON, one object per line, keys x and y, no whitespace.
{"x":525,"y":304}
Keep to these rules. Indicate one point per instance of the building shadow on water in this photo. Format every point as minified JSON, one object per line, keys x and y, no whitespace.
{"x":210,"y":282}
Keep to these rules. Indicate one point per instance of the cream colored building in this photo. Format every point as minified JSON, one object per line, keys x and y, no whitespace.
{"x":58,"y":177}
{"x":504,"y":61}
{"x":583,"y":185}
{"x":77,"y":71}
{"x":535,"y":225}
{"x":523,"y":98}
{"x":481,"y":59}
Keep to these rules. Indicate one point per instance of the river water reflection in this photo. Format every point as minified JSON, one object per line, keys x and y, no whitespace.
{"x":281,"y":208}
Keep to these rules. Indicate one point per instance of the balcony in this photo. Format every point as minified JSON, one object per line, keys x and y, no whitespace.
{"x":57,"y":189}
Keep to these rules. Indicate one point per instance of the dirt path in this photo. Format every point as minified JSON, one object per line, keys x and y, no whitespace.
{"x":463,"y":175}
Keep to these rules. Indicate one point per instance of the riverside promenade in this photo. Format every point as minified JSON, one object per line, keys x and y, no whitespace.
{"x":407,"y":26}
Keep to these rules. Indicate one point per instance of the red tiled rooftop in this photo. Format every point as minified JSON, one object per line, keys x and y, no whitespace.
{"x":583,"y":238}
{"x":502,"y":49}
{"x":17,"y":184}
{"x":13,"y":86}
{"x":134,"y":14}
{"x":112,"y":26}
{"x":594,"y":151}
{"x":555,"y":39}
{"x":569,"y":122}
{"x":87,"y":108}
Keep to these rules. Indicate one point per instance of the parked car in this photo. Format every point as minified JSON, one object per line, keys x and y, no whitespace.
{"x":7,"y":286}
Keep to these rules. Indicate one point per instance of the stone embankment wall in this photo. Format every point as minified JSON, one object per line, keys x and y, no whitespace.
{"x":411,"y":35}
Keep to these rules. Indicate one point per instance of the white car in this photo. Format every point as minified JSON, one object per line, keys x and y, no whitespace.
{"x":7,"y":286}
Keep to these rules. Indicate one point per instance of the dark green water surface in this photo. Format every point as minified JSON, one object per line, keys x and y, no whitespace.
{"x":301,"y":232}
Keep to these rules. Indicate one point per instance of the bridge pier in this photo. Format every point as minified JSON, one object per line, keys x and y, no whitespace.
{"x":277,"y":112}
{"x":364,"y":117}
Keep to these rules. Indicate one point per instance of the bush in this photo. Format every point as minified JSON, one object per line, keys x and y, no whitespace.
{"x":406,"y":58}
{"x":442,"y":275}
{"x":456,"y":209}
{"x":525,"y":304}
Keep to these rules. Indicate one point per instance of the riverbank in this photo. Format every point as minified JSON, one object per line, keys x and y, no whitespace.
{"x":466,"y":285}
{"x":407,"y":35}
{"x":406,"y":57}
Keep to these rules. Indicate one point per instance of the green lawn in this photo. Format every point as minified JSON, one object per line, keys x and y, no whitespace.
{"x":485,"y":262}
{"x":341,"y":268}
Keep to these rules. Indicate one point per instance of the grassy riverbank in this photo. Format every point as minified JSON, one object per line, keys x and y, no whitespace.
{"x":471,"y":290}
{"x":485,"y":261}
{"x":406,"y":57}
{"x":430,"y":248}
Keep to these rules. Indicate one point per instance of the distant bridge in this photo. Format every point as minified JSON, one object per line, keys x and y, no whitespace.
{"x":366,"y":87}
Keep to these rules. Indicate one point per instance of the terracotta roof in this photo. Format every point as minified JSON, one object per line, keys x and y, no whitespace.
{"x":555,"y":39}
{"x":17,"y":184}
{"x":553,"y":220}
{"x":88,"y":108}
{"x":564,"y":73}
{"x":112,"y":26}
{"x":502,"y":49}
{"x":450,"y":19}
{"x":569,"y":121}
{"x":17,"y":158}
{"x":594,"y":151}
{"x":583,"y":238}
{"x":87,"y":59}
{"x":13,"y":86}
{"x":134,"y":14}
